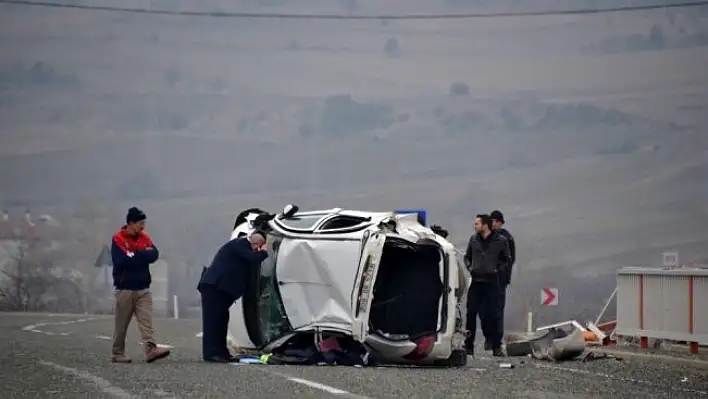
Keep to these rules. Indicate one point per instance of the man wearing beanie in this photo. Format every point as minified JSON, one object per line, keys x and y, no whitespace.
{"x":497,"y":225}
{"x":132,"y":252}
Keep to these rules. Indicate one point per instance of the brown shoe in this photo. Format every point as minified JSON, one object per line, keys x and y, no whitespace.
{"x":121,"y":359}
{"x":152,"y":352}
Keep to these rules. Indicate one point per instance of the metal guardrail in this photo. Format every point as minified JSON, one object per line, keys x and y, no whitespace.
{"x":666,"y":304}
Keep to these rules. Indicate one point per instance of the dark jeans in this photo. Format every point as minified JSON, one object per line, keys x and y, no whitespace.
{"x":215,"y":321}
{"x":483,"y":301}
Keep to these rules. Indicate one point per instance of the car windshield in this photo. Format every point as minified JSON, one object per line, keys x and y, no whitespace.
{"x":273,"y":322}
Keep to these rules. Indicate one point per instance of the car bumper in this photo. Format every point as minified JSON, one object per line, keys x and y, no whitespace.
{"x":391,"y":351}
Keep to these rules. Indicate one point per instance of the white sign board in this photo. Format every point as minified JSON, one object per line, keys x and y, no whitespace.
{"x":549,"y":297}
{"x":671,"y":259}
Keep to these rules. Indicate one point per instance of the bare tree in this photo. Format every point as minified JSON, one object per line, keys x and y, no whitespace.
{"x":27,"y":278}
{"x":51,"y":267}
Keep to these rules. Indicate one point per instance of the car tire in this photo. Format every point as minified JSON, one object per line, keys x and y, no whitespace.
{"x":458,"y":358}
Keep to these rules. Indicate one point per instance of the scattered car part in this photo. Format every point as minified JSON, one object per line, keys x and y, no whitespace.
{"x":562,"y":349}
{"x":563,"y":324}
{"x":523,"y":345}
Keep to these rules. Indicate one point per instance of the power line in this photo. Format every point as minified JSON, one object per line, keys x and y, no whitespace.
{"x":224,"y":14}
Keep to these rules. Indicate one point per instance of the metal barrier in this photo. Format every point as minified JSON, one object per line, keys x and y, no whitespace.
{"x":669,"y":304}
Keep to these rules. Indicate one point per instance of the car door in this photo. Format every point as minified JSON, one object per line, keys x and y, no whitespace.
{"x":371,"y":251}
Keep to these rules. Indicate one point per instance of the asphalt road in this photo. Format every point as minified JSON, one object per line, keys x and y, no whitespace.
{"x":67,"y":356}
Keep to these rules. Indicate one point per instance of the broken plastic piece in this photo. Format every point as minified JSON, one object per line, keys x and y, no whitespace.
{"x":563,"y":324}
{"x":561,"y":349}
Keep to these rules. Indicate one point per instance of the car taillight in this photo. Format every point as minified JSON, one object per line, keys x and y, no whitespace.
{"x":423,"y":347}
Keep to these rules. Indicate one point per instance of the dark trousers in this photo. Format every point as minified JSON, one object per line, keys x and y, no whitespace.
{"x":215,"y":321}
{"x":502,"y":305}
{"x":483,"y":301}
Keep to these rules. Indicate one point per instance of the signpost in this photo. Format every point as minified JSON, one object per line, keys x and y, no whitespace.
{"x":549,"y":297}
{"x":671,"y":259}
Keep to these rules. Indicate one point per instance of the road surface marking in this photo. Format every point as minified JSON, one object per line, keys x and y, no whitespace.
{"x":106,"y":337}
{"x":317,"y":385}
{"x":104,"y":385}
{"x":35,"y":327}
{"x":616,"y":378}
{"x":312,"y":384}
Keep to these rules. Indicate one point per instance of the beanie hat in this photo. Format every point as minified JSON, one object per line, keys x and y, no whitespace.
{"x":135,"y":215}
{"x":497,"y":215}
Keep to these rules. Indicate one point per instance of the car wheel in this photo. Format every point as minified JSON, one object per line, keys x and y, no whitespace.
{"x":458,"y":358}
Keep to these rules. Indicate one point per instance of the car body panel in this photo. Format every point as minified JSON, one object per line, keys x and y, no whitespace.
{"x":315,"y":279}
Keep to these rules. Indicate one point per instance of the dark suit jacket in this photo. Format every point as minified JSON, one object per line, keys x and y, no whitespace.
{"x":230,"y":269}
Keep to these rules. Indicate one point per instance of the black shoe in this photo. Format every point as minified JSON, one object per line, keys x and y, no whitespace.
{"x":487,"y":346}
{"x":497,"y":352}
{"x":217,"y":359}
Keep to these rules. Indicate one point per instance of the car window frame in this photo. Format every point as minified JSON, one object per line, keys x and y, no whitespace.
{"x":282,"y":223}
{"x":252,"y":302}
{"x":365,"y":222}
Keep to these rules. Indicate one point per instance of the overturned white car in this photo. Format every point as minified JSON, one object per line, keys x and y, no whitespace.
{"x":372,"y":286}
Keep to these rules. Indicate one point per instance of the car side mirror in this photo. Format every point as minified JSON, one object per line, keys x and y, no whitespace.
{"x":290,"y":211}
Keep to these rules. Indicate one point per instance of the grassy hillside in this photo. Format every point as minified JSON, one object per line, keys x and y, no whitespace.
{"x":588,"y":132}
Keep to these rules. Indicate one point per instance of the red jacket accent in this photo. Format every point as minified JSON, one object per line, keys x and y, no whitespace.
{"x":130,"y":243}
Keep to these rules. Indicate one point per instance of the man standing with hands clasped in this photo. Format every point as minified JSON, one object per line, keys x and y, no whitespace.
{"x":222,"y":284}
{"x":132,"y":252}
{"x":487,"y":258}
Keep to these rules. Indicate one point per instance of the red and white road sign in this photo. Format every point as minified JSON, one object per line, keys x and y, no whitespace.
{"x":549,"y":297}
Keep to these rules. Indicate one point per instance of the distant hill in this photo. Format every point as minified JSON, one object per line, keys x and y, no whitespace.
{"x":598,"y":158}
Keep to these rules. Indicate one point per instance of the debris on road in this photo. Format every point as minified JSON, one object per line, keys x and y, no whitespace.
{"x":311,"y":349}
{"x":561,"y":349}
{"x":250,"y":360}
{"x":551,"y":344}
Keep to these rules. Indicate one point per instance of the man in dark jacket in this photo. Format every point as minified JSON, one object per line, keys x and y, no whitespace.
{"x":487,"y":259}
{"x":498,"y":226}
{"x":132,"y":252}
{"x":222,"y":284}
